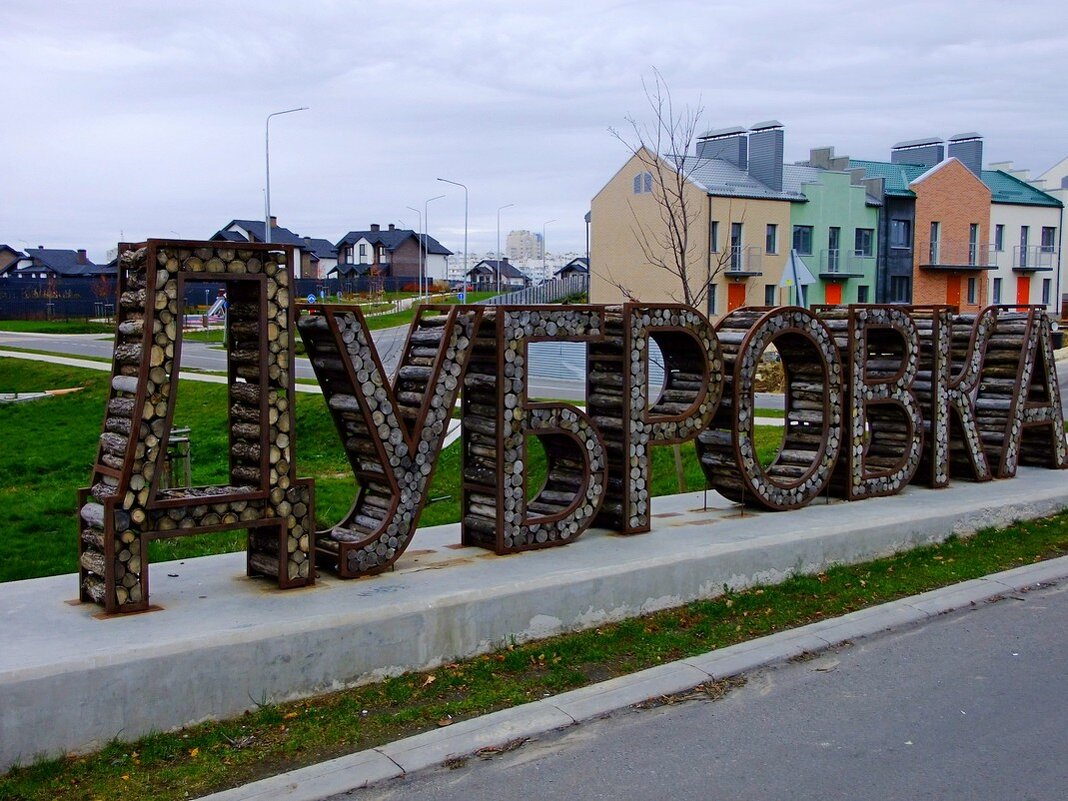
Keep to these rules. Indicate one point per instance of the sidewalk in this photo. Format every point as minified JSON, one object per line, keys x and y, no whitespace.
{"x":497,"y":730}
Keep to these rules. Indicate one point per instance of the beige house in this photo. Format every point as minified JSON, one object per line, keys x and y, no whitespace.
{"x":739,"y":233}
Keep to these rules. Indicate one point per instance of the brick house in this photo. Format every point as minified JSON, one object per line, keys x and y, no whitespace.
{"x":951,"y":253}
{"x":395,"y":252}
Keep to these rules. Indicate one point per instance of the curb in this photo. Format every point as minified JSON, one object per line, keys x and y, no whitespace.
{"x":498,"y":729}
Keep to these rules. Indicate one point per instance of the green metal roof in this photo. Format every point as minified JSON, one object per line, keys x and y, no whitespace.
{"x":1005,"y":188}
{"x":897,"y":177}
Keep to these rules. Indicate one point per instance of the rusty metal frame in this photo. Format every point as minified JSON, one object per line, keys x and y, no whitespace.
{"x":128,"y":508}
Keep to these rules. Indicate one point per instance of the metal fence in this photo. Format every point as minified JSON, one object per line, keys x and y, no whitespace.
{"x":550,"y":292}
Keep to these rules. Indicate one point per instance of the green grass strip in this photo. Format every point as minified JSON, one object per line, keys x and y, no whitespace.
{"x":276,"y":738}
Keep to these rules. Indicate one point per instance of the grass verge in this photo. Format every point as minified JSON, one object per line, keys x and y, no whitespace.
{"x":57,"y":326}
{"x":275,"y":738}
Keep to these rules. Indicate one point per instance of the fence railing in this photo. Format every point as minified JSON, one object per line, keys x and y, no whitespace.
{"x":550,"y":292}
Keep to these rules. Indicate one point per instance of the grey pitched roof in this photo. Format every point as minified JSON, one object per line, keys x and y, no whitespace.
{"x":507,"y":269}
{"x":321,"y":248}
{"x":580,"y":264}
{"x":63,"y":262}
{"x":721,"y":178}
{"x":279,"y":235}
{"x":391,"y":240}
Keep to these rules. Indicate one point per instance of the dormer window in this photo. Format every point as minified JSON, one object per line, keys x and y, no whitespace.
{"x":643,"y":182}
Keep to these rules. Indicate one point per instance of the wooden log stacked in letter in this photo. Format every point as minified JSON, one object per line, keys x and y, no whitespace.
{"x":813,"y":424}
{"x":392,"y":434}
{"x":496,"y":421}
{"x":127,"y":504}
{"x":879,"y":348}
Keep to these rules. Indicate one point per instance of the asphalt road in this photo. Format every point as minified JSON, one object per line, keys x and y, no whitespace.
{"x":970,"y":706}
{"x":389,"y":341}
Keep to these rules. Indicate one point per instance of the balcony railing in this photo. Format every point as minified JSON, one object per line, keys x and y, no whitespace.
{"x":745,"y":260}
{"x":1033,"y":257}
{"x":847,"y":263}
{"x":960,"y":255}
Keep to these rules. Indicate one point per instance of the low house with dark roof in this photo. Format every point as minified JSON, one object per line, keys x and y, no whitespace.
{"x":9,"y":257}
{"x":578,"y":266}
{"x":42,"y":262}
{"x":306,"y":261}
{"x":395,"y":252}
{"x":484,"y":275}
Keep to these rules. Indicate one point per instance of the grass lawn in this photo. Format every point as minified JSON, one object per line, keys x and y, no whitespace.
{"x":57,"y":326}
{"x":52,"y":444}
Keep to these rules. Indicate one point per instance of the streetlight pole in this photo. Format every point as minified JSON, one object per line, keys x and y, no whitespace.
{"x":426,"y":229}
{"x":267,"y":150}
{"x":419,"y":258}
{"x":499,"y":210}
{"x":543,"y":276}
{"x":457,"y":183}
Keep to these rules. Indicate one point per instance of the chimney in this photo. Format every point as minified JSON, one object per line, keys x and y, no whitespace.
{"x":392,"y":227}
{"x":728,"y":144}
{"x":82,"y":258}
{"x":274,"y":221}
{"x":968,"y":147}
{"x":765,"y":153}
{"x":374,"y":226}
{"x":925,"y":152}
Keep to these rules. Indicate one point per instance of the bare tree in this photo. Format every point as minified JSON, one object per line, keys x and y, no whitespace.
{"x":662,"y":147}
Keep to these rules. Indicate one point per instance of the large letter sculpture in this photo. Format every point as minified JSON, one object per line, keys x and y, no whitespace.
{"x":125,"y":505}
{"x":497,"y":418}
{"x":813,"y":420}
{"x":392,"y":433}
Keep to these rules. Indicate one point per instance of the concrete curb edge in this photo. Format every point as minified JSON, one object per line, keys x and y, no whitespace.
{"x":498,"y":729}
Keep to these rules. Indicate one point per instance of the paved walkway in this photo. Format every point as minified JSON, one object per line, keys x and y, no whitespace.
{"x":496,"y":731}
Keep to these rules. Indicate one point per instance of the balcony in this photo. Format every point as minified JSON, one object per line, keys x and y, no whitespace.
{"x":744,"y":262}
{"x":1033,"y":259}
{"x":958,"y":256}
{"x":838,"y":264}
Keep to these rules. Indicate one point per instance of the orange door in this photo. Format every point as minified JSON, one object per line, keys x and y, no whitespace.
{"x":953,"y":283}
{"x":832,"y":294}
{"x":1023,"y":289}
{"x":735,"y":295}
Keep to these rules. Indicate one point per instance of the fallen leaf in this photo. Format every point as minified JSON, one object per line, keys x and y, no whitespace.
{"x":194,"y":753}
{"x":429,"y":680}
{"x":445,"y":721}
{"x":290,"y":715}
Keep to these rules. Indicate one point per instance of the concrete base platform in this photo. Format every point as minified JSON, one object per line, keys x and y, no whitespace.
{"x":222,"y":643}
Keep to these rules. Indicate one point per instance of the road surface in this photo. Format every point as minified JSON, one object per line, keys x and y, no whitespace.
{"x":970,"y":706}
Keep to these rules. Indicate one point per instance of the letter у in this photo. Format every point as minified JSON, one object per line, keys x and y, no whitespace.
{"x":630,"y":421}
{"x":392,"y":433}
{"x":497,"y":418}
{"x":880,"y":348}
{"x":1019,"y":402}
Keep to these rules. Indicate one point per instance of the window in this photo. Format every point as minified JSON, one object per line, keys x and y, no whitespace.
{"x":863,"y":242}
{"x":736,"y":246}
{"x":973,"y":244}
{"x":1046,"y":283}
{"x":711,"y":299}
{"x":973,"y":285}
{"x":834,"y":236}
{"x":1049,"y":238}
{"x":997,"y":290}
{"x":936,"y":229}
{"x":1025,"y":233}
{"x":862,"y":293}
{"x":900,"y":289}
{"x":901,"y":233}
{"x":803,"y":239}
{"x":363,"y":253}
{"x":771,"y":239}
{"x":999,"y":238}
{"x":643,"y":183}
{"x":769,"y":294}
{"x":713,"y":236}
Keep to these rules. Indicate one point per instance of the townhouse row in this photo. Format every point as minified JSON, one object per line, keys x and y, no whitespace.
{"x":930,"y":225}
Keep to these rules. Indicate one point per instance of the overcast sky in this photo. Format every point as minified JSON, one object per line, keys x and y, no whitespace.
{"x":147,"y":119}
